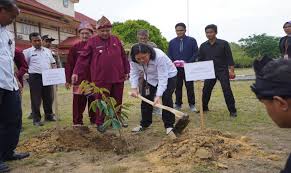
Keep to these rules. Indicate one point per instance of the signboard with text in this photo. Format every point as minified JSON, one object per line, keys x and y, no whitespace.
{"x":199,"y":71}
{"x":53,"y":77}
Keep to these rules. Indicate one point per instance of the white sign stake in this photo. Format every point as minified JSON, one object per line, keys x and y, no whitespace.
{"x":199,"y":71}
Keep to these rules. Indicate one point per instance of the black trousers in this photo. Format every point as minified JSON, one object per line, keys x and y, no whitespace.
{"x":189,"y":86}
{"x":10,"y":122}
{"x":223,"y":77}
{"x":147,"y":109}
{"x":287,"y":168}
{"x":39,"y":93}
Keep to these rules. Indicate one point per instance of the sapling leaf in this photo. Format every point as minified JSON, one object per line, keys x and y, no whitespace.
{"x":104,"y":104}
{"x":93,"y":106}
{"x":107,"y":123}
{"x":116,"y":124}
{"x":113,"y":101}
{"x":125,"y":108}
{"x":125,"y":114}
{"x":111,"y":112}
{"x":127,"y":104}
{"x":104,"y":90}
{"x":100,"y":105}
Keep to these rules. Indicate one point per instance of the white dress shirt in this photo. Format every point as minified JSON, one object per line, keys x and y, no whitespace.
{"x":38,"y":60}
{"x":7,"y":51}
{"x":156,"y":72}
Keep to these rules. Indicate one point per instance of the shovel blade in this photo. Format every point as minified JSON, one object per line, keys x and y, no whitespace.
{"x":181,"y":124}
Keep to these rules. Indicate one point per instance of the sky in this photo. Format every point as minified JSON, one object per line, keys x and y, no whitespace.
{"x":235,"y":19}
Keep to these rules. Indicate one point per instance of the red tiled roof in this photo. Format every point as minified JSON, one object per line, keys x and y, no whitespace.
{"x":44,"y":16}
{"x":81,"y":17}
{"x":69,"y":42}
{"x":39,"y":6}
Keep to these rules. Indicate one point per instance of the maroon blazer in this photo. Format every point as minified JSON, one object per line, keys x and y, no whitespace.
{"x":106,"y":59}
{"x":21,"y":65}
{"x":73,"y":56}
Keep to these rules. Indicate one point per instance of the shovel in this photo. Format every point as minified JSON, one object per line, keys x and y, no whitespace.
{"x":183,"y":119}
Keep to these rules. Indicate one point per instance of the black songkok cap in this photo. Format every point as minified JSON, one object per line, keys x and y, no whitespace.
{"x":273,"y":78}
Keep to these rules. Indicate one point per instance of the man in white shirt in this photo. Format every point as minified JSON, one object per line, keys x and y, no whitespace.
{"x":39,"y":59}
{"x":47,"y":42}
{"x":10,"y":105}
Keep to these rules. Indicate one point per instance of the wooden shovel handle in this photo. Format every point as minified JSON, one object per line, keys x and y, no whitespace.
{"x":174,"y":111}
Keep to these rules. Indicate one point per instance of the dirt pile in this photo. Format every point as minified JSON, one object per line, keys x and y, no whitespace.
{"x":81,"y":139}
{"x":207,"y":147}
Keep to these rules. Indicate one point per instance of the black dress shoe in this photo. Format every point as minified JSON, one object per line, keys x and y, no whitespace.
{"x":233,"y":114}
{"x":4,"y":167}
{"x":205,"y":109}
{"x":17,"y":156}
{"x":38,"y":123}
{"x":51,"y":118}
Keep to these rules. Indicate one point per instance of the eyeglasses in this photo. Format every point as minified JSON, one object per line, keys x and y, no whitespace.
{"x":287,"y":26}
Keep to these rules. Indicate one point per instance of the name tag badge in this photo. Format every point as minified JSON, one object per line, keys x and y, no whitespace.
{"x":147,"y":91}
{"x":286,"y":56}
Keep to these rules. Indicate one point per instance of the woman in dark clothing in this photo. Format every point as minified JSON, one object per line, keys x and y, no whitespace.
{"x":160,"y":76}
{"x":285,"y":42}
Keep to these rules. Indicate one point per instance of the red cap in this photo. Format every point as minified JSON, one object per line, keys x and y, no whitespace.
{"x":103,"y":23}
{"x":85,"y":25}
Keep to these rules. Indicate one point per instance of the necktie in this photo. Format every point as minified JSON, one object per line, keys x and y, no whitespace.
{"x":181,"y":45}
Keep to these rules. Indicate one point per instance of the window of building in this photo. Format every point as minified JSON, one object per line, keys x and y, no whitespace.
{"x":27,"y":29}
{"x":66,"y":3}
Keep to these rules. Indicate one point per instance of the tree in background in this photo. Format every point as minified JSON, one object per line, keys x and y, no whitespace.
{"x":257,"y":46}
{"x":127,"y":33}
{"x":241,"y":59}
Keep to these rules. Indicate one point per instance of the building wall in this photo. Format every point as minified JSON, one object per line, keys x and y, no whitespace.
{"x":66,"y":35}
{"x":59,"y":6}
{"x":23,"y":30}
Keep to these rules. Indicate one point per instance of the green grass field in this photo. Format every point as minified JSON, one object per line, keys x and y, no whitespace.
{"x":252,"y":120}
{"x":250,"y":112}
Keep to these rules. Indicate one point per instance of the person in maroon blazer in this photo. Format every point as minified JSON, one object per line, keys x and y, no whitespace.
{"x":104,"y":55}
{"x":21,"y":65}
{"x":79,"y":101}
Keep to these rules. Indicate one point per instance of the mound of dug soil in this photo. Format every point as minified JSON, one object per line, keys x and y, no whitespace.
{"x":80,"y":139}
{"x":207,"y":147}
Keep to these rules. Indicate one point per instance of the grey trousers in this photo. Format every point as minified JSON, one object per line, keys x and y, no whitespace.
{"x":38,"y":94}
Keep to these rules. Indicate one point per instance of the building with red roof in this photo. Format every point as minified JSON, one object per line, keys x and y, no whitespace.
{"x":56,"y":18}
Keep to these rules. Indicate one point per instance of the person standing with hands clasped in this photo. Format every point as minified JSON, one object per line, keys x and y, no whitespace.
{"x":39,"y":59}
{"x":104,"y":55}
{"x":158,"y":86}
{"x":79,"y":101}
{"x":183,"y":49}
{"x":219,"y":51}
{"x":285,"y":42}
